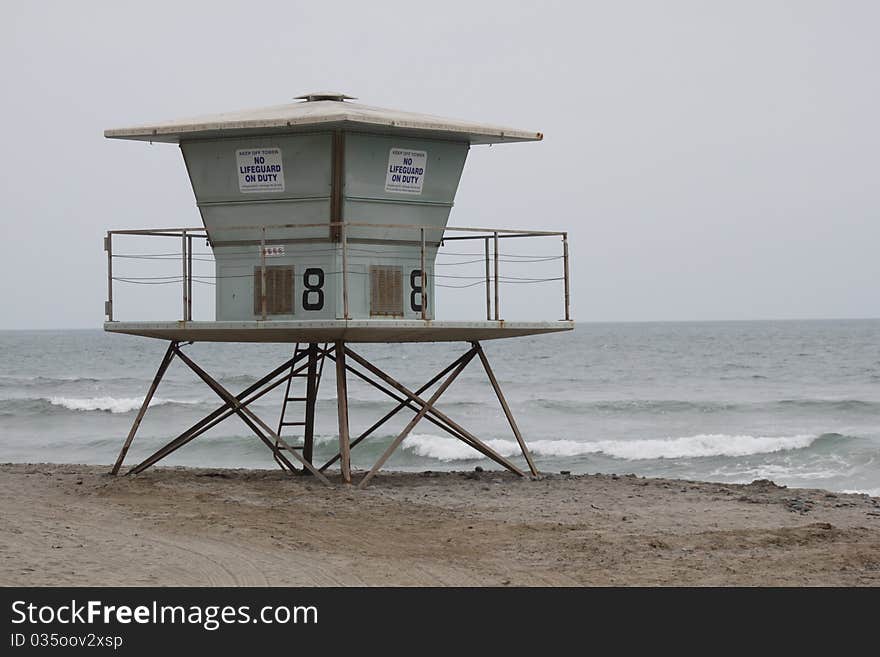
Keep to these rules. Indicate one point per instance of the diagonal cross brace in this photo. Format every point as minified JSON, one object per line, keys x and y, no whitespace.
{"x":442,"y":416}
{"x":247,"y":415}
{"x":403,"y":403}
{"x":205,"y":424}
{"x":429,"y":405}
{"x":218,"y":415}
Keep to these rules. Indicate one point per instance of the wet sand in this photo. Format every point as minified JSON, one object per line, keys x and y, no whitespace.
{"x":74,"y":525}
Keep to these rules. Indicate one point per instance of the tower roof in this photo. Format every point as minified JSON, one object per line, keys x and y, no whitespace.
{"x":325,"y":110}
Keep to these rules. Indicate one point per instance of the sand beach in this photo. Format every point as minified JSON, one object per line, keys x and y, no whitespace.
{"x":71,"y":525}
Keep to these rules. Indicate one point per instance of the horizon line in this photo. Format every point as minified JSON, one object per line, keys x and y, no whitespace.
{"x":576,"y":321}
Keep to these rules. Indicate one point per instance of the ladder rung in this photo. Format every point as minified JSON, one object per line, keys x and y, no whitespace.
{"x":293,"y":424}
{"x":297,"y":399}
{"x":283,"y":448}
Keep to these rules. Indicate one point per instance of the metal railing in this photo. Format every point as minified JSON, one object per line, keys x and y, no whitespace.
{"x":492,"y":279}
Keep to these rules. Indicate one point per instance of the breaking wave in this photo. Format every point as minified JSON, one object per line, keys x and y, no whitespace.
{"x":701,"y":445}
{"x":113,"y":404}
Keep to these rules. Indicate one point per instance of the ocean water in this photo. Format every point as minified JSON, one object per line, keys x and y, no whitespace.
{"x":797,"y":402}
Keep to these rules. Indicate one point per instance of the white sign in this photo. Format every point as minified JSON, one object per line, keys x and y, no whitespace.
{"x":260,"y":170}
{"x":406,"y":171}
{"x":273,"y":251}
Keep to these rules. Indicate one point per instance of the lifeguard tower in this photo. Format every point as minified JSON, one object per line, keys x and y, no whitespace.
{"x":324,"y":218}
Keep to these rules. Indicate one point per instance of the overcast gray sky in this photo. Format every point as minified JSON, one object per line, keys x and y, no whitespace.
{"x":711,"y":160}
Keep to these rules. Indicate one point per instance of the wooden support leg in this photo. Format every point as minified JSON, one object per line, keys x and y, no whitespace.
{"x":248,"y":416}
{"x":342,"y":410}
{"x":418,"y":416}
{"x":311,"y":399}
{"x":166,"y":361}
{"x":510,"y":420}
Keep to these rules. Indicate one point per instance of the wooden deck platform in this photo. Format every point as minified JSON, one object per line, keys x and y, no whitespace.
{"x":373,"y":330}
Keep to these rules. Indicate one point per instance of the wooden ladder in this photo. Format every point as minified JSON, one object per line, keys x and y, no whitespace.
{"x":312,"y":376}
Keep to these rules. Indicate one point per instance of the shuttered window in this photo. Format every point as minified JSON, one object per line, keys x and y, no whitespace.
{"x":279,"y":290}
{"x":386,"y":290}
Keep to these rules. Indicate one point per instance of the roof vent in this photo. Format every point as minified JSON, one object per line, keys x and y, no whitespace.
{"x":325,"y":95}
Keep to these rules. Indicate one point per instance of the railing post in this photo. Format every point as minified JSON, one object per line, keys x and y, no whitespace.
{"x":108,"y":247}
{"x":488,"y":284}
{"x":424,"y":277}
{"x":185,"y":278}
{"x":189,"y":278}
{"x":497,"y":313}
{"x":344,"y":234}
{"x":565,"y":265}
{"x":263,"y":273}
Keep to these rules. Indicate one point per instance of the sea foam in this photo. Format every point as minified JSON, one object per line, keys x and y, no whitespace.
{"x":112,"y":404}
{"x":701,"y":445}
